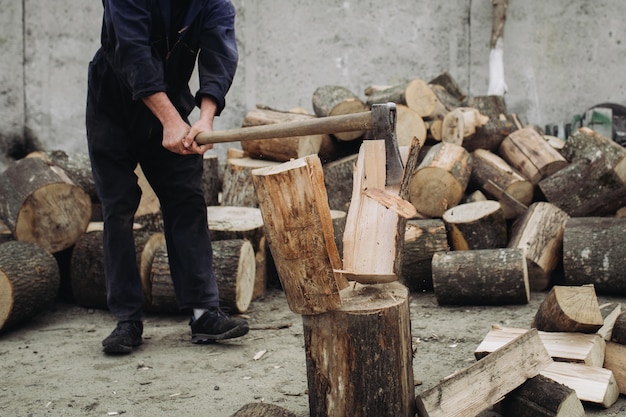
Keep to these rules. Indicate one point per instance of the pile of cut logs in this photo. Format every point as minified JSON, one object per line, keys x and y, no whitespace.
{"x":498,"y":210}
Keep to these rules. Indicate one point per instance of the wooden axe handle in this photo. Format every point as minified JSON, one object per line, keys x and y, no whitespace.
{"x":322,"y":125}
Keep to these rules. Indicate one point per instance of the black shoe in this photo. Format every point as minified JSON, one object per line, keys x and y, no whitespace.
{"x":216,"y":325}
{"x":125,"y":336}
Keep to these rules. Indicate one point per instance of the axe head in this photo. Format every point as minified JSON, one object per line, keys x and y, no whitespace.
{"x":384,"y":127}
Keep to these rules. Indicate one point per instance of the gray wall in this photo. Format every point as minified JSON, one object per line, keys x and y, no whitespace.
{"x":560,"y":57}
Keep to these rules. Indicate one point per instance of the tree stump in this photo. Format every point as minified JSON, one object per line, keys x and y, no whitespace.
{"x":439,"y":182}
{"x":540,"y":233}
{"x":359,"y":357}
{"x":335,"y":100}
{"x":40,"y":204}
{"x":297,"y":220}
{"x":594,"y":253}
{"x":338,"y":181}
{"x":479,"y":225}
{"x":237,"y":187}
{"x":422,"y":239}
{"x":481,"y":277}
{"x":529,"y":153}
{"x":29,"y":282}
{"x":569,"y":309}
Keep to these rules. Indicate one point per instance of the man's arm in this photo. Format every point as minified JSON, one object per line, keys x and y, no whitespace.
{"x":175,"y":129}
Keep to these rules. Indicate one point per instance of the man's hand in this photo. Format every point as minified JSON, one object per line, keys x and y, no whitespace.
{"x":208,"y":108}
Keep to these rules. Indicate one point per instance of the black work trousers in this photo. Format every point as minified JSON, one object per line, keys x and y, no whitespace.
{"x":120,"y":136}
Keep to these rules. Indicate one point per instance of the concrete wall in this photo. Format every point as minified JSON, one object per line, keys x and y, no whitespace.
{"x":560,"y":57}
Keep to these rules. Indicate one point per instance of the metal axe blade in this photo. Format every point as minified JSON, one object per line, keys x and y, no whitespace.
{"x":384,"y":118}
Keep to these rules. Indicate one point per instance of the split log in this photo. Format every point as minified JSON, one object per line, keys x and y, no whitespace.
{"x":422,"y":239}
{"x":262,"y":410}
{"x":211,"y":179}
{"x":297,"y":220}
{"x":280,"y":149}
{"x":237,"y":188}
{"x":480,"y":277}
{"x":29,"y":282}
{"x":338,"y":182}
{"x":461,"y":124}
{"x":610,"y":313}
{"x":529,"y":153}
{"x":618,"y":334}
{"x":40,"y":204}
{"x":587,"y":187}
{"x":569,"y":309}
{"x":227,"y":223}
{"x":488,"y":167}
{"x":584,"y":143}
{"x":592,"y":384}
{"x":594,"y":253}
{"x":572,"y":347}
{"x":483,"y":384}
{"x":415,"y":94}
{"x":233,"y":264}
{"x":615,"y":361}
{"x":339,"y":226}
{"x":335,"y":100}
{"x":542,"y":397}
{"x":479,"y":225}
{"x":440,"y":180}
{"x":409,"y":124}
{"x":359,"y":357}
{"x":540,"y":233}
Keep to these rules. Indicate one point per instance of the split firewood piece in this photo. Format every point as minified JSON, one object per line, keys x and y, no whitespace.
{"x":391,"y":201}
{"x":422,"y":239}
{"x":29,"y":282}
{"x":594,"y":253}
{"x":492,"y":173}
{"x":279,"y":149}
{"x":542,"y":397}
{"x":479,"y":225}
{"x":480,"y":277}
{"x":244,"y":223}
{"x":409,"y":125}
{"x":415,"y":94}
{"x":483,"y":384}
{"x":562,"y":346}
{"x":339,"y":225}
{"x":461,"y":124}
{"x":40,"y":204}
{"x":592,"y":384}
{"x":440,"y":180}
{"x":237,"y":188}
{"x":529,"y":153}
{"x":262,"y":410}
{"x":211,"y":179}
{"x":352,"y":351}
{"x":540,"y":233}
{"x":453,"y":88}
{"x":569,"y":309}
{"x":148,"y":214}
{"x":615,"y":361}
{"x":584,"y":143}
{"x":585,"y":187}
{"x":610,"y":313}
{"x":338,"y":181}
{"x":335,"y":100}
{"x":372,"y":230}
{"x":619,"y":329}
{"x":297,"y":221}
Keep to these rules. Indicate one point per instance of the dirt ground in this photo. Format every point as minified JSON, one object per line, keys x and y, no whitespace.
{"x":53,"y":365}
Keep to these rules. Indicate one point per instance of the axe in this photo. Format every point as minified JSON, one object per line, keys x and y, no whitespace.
{"x":380,"y":121}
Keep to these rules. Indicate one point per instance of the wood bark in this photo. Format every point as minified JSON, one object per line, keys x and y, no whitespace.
{"x":480,"y":277}
{"x":479,"y":225}
{"x":540,"y":233}
{"x":359,"y":357}
{"x":262,"y":410}
{"x":572,"y":347}
{"x":238,"y":188}
{"x":584,"y":143}
{"x":297,"y":220}
{"x":542,"y":397}
{"x":211,"y":179}
{"x":40,"y":204}
{"x":422,"y":239}
{"x":338,"y":180}
{"x":594,"y":253}
{"x":415,"y":94}
{"x":335,"y":100}
{"x":279,"y":149}
{"x":29,"y":282}
{"x":569,"y":309}
{"x":439,"y":182}
{"x":481,"y":385}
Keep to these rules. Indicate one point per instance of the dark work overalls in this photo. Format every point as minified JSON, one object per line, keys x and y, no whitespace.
{"x":138,"y":57}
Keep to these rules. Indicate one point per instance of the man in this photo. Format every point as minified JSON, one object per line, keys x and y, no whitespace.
{"x":138,"y":103}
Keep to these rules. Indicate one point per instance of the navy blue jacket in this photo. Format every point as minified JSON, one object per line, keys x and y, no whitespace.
{"x":137,"y":58}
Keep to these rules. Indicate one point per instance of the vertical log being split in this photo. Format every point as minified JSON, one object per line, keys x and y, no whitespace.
{"x":359,"y":357}
{"x":297,"y":221}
